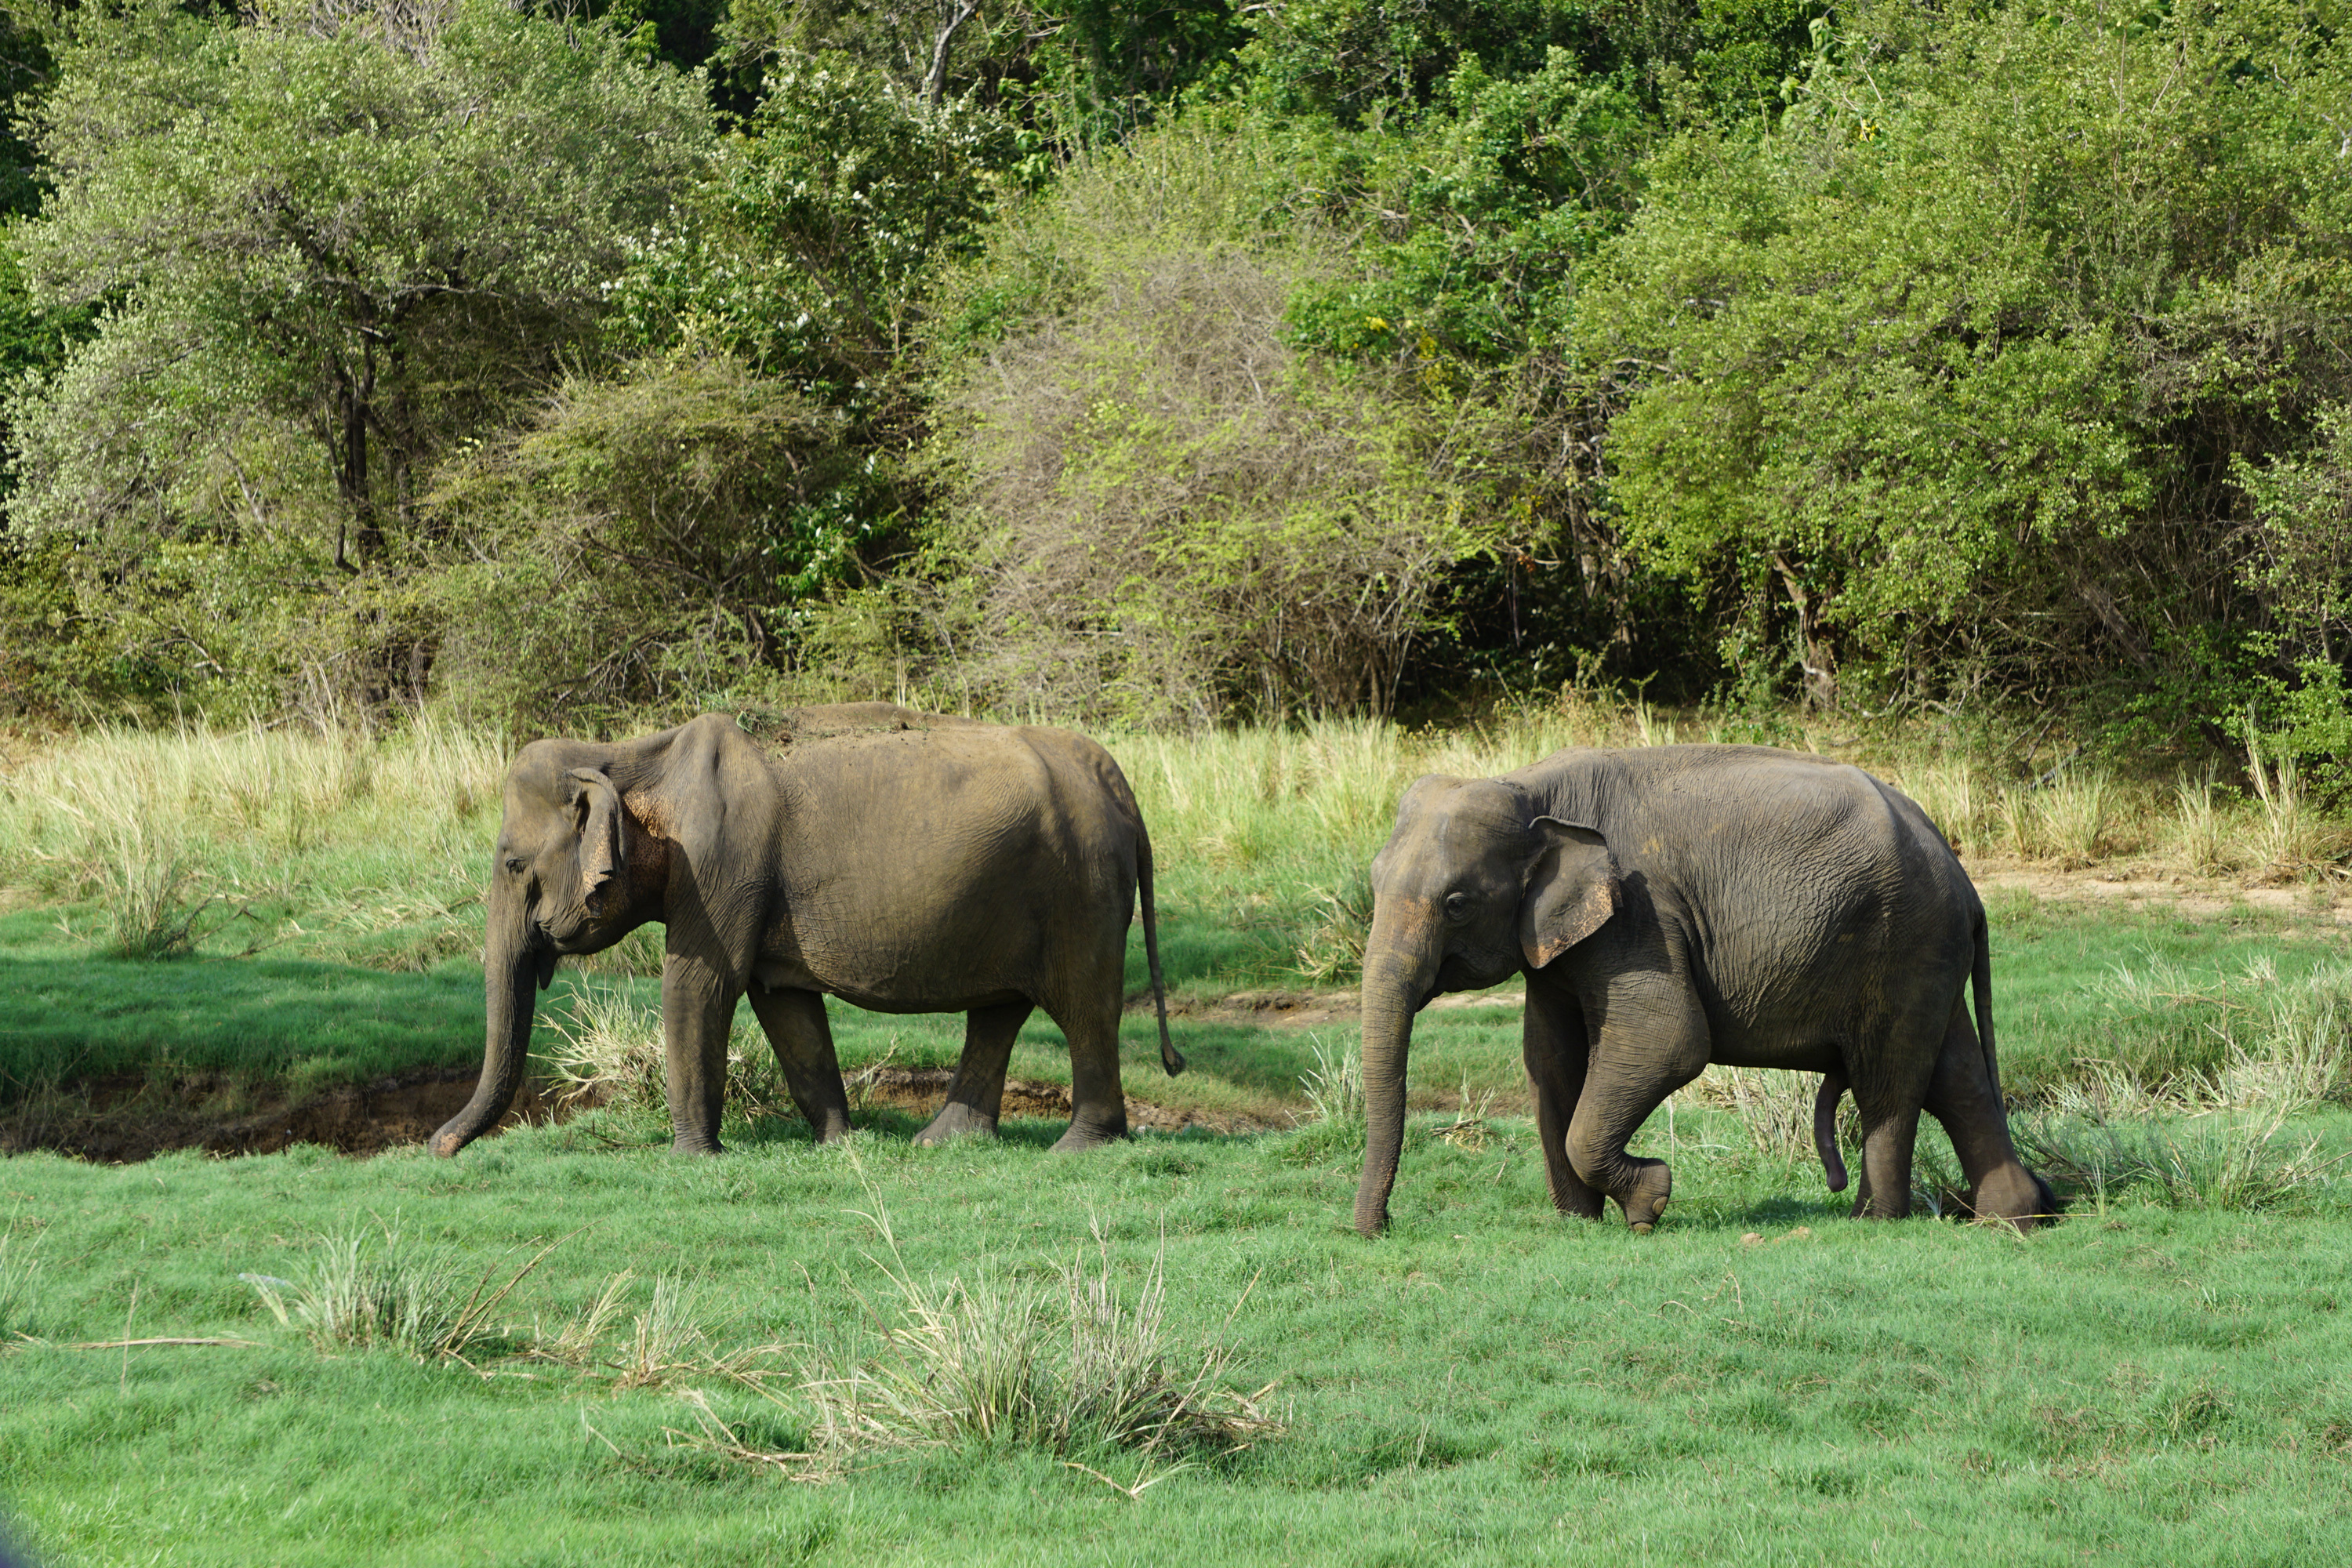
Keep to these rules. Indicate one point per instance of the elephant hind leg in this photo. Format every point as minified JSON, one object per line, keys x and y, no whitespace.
{"x":976,"y":1093}
{"x":1098,"y":1098}
{"x":1962,"y":1097}
{"x":1888,"y":1138}
{"x":1889,"y":1088}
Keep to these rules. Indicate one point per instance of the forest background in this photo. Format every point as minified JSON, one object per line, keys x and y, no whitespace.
{"x":566,"y":365}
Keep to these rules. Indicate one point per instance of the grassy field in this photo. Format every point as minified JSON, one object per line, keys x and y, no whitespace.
{"x":567,"y":1347}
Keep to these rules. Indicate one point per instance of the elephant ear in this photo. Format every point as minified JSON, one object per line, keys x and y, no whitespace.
{"x":603,"y":829}
{"x":1571,"y":890}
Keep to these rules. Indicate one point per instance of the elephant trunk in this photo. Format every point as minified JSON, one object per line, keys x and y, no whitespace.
{"x":1399,"y":968}
{"x":511,"y":973}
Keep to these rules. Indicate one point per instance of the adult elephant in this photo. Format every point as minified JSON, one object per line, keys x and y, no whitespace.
{"x":1676,"y":905}
{"x":901,"y":861}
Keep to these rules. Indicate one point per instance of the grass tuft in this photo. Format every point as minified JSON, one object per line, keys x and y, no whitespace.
{"x":1333,"y":952}
{"x":20,"y":1274}
{"x":577,"y":1341}
{"x":1074,"y":1365}
{"x":1775,"y":1108}
{"x":2230,"y":1164}
{"x":608,"y":1053}
{"x":668,"y":1338}
{"x":366,"y":1291}
{"x":2065,"y":818}
{"x":1333,"y":1122}
{"x":2200,"y":1042}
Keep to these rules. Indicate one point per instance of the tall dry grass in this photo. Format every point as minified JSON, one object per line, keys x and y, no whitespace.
{"x":172,"y":833}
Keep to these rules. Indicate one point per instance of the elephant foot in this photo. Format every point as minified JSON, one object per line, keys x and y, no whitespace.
{"x":1082,"y":1135}
{"x":1645,"y":1199}
{"x":696,"y":1144}
{"x":955,"y":1120}
{"x":2016,"y":1194}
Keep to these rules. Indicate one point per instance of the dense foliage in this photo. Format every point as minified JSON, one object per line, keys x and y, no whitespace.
{"x":1181,"y":360}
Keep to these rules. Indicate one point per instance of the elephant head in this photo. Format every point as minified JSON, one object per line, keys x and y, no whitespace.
{"x":1473,"y":885}
{"x":571,"y":874}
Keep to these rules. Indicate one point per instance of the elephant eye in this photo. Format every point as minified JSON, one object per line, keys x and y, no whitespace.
{"x":1457,"y":905}
{"x":515,"y":864}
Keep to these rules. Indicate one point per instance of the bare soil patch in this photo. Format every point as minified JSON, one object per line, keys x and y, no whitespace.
{"x":2153,"y":885}
{"x":126,"y":1117}
{"x":920,"y":1091}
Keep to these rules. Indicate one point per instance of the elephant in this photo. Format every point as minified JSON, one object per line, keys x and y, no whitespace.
{"x":903,"y":862}
{"x":1674,"y":905}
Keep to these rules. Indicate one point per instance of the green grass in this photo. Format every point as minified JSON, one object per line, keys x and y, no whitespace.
{"x":2161,"y":1376}
{"x":1488,"y":1383}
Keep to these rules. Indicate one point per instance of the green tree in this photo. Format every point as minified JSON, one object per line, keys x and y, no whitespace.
{"x":665,"y":525}
{"x":328,"y":246}
{"x":1960,"y":369}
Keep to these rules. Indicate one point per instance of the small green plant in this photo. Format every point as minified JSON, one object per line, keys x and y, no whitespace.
{"x":19,"y":1287}
{"x":368,"y":1290}
{"x":1333,"y":952}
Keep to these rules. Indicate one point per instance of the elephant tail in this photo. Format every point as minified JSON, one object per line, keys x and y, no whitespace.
{"x":1982,"y":978}
{"x":1825,"y":1104}
{"x":1169,"y":1056}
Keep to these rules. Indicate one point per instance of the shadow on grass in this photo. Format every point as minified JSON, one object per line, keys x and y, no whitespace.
{"x":68,"y":1014}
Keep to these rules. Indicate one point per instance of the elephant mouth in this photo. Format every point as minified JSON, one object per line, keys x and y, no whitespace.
{"x":1457,"y":975}
{"x":571,"y":936}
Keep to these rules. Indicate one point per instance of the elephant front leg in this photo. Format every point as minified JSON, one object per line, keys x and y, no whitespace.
{"x":976,"y":1094}
{"x":801,"y":1038}
{"x":1652,"y":1040}
{"x":1554,"y":1044}
{"x":697,"y":1008}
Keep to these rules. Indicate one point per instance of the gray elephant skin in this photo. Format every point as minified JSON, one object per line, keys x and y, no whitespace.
{"x":1674,"y":905}
{"x":903,"y":862}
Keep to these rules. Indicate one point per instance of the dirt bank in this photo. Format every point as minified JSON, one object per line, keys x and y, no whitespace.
{"x":127,"y":1118}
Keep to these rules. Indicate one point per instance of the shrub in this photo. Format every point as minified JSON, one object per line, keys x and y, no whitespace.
{"x":1165,"y":511}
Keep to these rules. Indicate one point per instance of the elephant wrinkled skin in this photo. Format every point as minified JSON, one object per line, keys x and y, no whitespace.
{"x":901,"y":861}
{"x":1672,"y":906}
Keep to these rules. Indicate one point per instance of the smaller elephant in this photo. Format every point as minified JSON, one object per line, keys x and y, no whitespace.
{"x":901,"y":861}
{"x":1674,"y":905}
